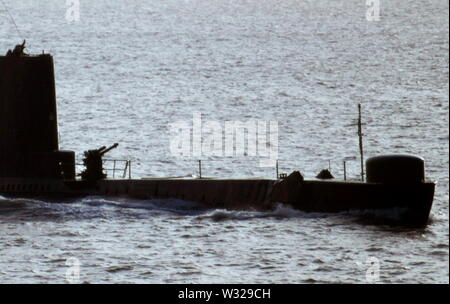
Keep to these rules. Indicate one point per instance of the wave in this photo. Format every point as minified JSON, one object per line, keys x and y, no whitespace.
{"x":106,"y":207}
{"x":280,"y":211}
{"x":94,"y":207}
{"x":111,"y":208}
{"x":176,"y":206}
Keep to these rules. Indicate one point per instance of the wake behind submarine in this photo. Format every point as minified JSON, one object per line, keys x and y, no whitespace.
{"x":32,"y":165}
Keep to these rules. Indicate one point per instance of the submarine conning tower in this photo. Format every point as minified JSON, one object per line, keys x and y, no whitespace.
{"x":28,"y":120}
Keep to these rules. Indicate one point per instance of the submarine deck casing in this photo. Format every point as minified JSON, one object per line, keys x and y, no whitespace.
{"x":31,"y":164}
{"x":413,"y":201}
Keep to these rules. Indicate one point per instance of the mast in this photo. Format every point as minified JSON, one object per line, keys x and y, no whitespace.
{"x":360,"y":135}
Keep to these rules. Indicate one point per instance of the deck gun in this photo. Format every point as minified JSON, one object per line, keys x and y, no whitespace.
{"x":93,"y":161}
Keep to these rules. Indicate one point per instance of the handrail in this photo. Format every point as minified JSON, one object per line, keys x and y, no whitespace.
{"x":123,"y":166}
{"x":125,"y":169}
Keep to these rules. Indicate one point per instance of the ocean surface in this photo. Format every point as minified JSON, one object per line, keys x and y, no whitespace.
{"x":127,"y":69}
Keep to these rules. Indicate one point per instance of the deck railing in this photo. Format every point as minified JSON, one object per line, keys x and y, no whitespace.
{"x":122,"y":166}
{"x":118,"y":168}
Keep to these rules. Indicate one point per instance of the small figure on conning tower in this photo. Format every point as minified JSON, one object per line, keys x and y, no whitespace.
{"x":18,"y":50}
{"x":94,"y":163}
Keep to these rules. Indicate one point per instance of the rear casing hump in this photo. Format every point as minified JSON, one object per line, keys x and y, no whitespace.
{"x":395,"y":169}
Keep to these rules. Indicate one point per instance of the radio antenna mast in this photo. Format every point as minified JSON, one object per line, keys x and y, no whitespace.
{"x":360,"y":135}
{"x":359,"y":123}
{"x":12,"y":19}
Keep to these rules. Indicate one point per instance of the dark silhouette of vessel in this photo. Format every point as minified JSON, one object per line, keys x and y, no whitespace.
{"x":31,"y":163}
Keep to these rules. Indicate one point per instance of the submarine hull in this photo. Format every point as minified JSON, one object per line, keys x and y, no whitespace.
{"x":410,"y":203}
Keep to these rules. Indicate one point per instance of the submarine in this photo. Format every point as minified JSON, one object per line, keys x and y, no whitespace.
{"x":32,"y":165}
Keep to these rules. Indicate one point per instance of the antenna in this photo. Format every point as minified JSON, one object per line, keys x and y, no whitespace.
{"x":360,"y":135}
{"x":12,"y":19}
{"x":359,"y":123}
